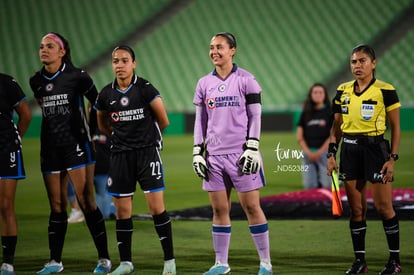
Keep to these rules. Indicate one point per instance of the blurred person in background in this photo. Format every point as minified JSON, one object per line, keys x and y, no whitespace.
{"x":312,"y":134}
{"x":12,"y":99}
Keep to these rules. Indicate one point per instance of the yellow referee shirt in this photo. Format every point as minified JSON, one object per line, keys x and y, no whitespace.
{"x":365,"y":113}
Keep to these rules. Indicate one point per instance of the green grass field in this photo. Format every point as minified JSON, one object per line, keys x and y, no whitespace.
{"x":297,"y":246}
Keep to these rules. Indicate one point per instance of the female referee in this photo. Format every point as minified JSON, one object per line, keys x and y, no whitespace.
{"x":66,"y":149}
{"x":226,"y":149}
{"x":12,"y":98}
{"x":132,"y":113}
{"x":361,"y":108}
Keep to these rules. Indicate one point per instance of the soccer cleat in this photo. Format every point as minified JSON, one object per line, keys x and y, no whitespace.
{"x":123,"y":268}
{"x":169,"y":268}
{"x":7,"y":269}
{"x":103,"y":267}
{"x":76,"y":216}
{"x":265,"y":269}
{"x":392,"y":267}
{"x":357,"y":267}
{"x":218,"y":269}
{"x":51,"y":267}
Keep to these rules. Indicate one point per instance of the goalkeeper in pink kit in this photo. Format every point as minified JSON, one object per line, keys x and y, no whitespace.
{"x":226,"y":150}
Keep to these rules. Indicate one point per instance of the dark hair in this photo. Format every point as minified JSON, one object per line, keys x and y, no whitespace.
{"x":229,"y":37}
{"x":67,"y":58}
{"x":365,"y":49}
{"x":309,"y":105}
{"x":126,"y":48}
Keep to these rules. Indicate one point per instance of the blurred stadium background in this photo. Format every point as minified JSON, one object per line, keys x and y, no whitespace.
{"x":288,"y":45}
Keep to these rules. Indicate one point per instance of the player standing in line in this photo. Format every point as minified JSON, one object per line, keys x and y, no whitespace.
{"x":313,"y":137}
{"x":132,"y":113}
{"x":361,"y":108}
{"x":66,"y":148}
{"x":226,"y":149}
{"x":12,"y":98}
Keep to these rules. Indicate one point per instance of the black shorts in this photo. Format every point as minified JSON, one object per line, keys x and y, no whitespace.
{"x":362,"y":159}
{"x":11,"y":165}
{"x":143,"y":165}
{"x":55,"y":159}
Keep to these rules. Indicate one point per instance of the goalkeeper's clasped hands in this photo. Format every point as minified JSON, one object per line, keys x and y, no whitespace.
{"x":249,"y":161}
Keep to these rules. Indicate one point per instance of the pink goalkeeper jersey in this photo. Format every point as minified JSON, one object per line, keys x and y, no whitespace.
{"x":224,"y":101}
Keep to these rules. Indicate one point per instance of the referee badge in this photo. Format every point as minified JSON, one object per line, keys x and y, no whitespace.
{"x":367,"y":111}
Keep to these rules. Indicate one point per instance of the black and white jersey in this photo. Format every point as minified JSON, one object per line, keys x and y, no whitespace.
{"x":61,"y":97}
{"x":10,"y":96}
{"x":134,"y":125}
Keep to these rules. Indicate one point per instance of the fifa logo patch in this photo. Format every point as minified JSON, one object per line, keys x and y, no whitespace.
{"x":367,"y":111}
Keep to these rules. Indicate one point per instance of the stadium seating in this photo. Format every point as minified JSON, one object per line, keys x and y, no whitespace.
{"x":396,"y":67}
{"x":288,"y":45}
{"x":91,"y":27}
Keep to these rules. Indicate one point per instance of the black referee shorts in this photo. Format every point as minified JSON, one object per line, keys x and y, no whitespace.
{"x":362,"y":159}
{"x":142,"y":165}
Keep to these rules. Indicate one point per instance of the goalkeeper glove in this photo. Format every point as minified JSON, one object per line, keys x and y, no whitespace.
{"x":250,"y":159}
{"x":199,"y":162}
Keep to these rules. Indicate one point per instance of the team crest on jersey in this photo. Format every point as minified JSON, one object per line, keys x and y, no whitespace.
{"x":124,"y":101}
{"x":49,"y":87}
{"x":367,"y":111}
{"x":222,"y":87}
{"x":109,"y":181}
{"x":211,"y":103}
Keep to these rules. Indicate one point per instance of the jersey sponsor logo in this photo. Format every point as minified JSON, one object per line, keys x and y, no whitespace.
{"x":223,"y":101}
{"x":128,"y":115}
{"x":55,"y":100}
{"x":112,"y":102}
{"x":367,"y":111}
{"x":211,"y":103}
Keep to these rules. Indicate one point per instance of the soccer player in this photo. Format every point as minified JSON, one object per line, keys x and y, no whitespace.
{"x":226,"y":149}
{"x":66,"y":150}
{"x":132,"y":113}
{"x":361,"y":108}
{"x":12,"y":98}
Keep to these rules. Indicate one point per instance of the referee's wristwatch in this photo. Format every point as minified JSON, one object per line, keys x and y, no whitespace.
{"x":393,"y":156}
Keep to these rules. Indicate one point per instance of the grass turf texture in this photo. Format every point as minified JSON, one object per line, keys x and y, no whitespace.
{"x":297,"y":246}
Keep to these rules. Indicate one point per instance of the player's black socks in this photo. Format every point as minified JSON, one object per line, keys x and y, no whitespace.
{"x":358,"y":231}
{"x":9,"y":247}
{"x":96,"y":225}
{"x":392,"y":231}
{"x":58,"y":225}
{"x":162,"y":223}
{"x":124,"y":229}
